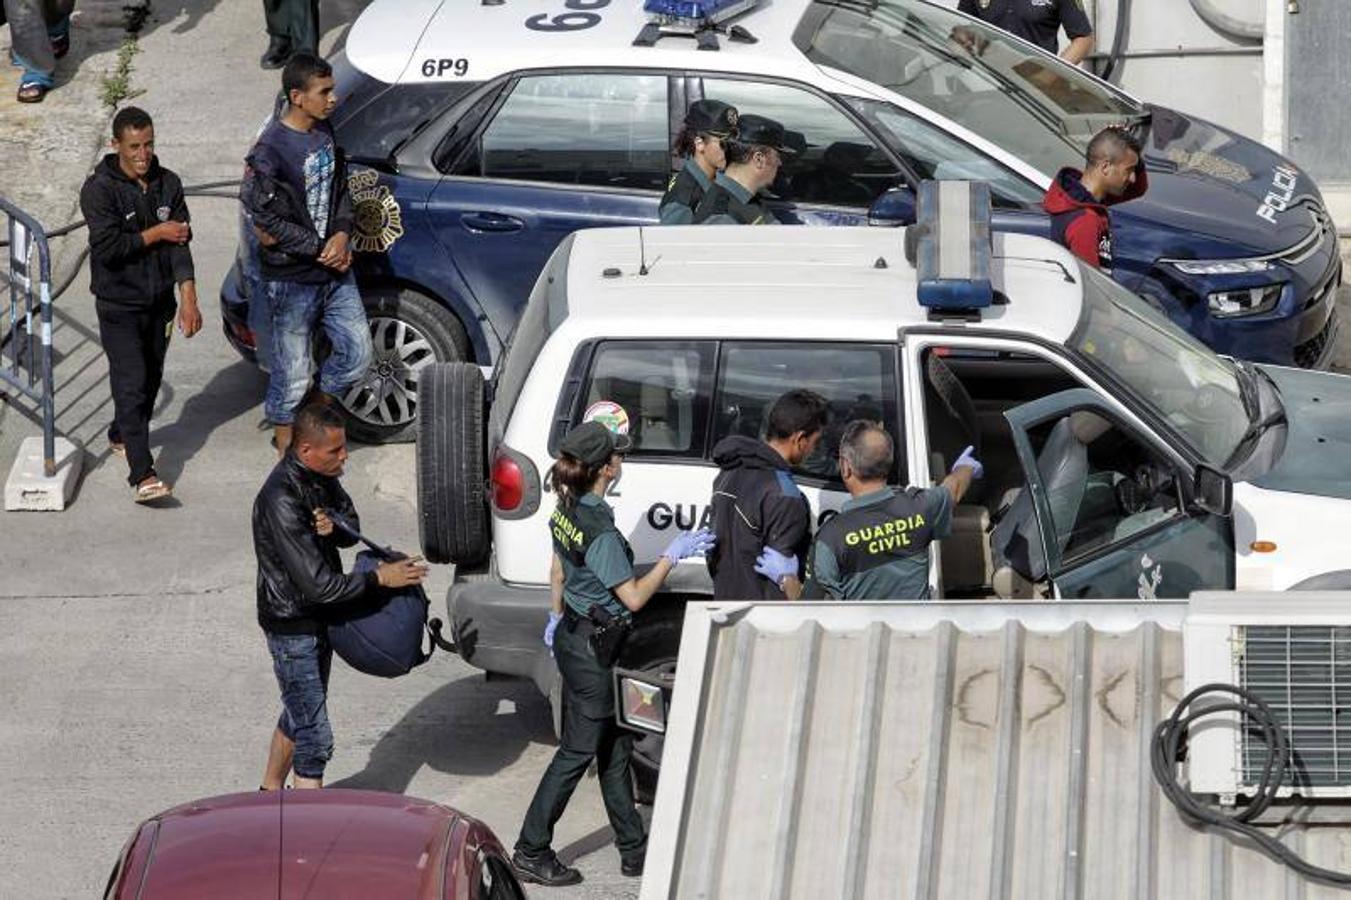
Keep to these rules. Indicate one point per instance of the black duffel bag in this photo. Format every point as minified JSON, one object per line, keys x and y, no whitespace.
{"x":385,"y":637}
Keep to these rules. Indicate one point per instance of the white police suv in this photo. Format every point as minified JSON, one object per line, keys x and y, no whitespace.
{"x":1122,"y":457}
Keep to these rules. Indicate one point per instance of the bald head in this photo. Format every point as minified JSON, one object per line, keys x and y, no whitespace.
{"x":867,"y":449}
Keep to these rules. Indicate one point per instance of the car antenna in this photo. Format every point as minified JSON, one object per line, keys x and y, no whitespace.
{"x":642,"y":253}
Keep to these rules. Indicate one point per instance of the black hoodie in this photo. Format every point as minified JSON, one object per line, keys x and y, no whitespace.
{"x":756,"y":504}
{"x":122,"y":269}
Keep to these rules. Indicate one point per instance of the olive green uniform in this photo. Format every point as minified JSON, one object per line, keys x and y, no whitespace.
{"x":683,"y":193}
{"x":729,"y":203}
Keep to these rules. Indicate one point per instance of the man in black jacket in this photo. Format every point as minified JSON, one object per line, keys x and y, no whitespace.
{"x":295,"y":188}
{"x":756,"y":504}
{"x":300,"y":578}
{"x":138,"y":251}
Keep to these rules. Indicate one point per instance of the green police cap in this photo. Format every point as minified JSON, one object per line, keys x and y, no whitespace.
{"x":712,"y":117}
{"x":592,"y":443}
{"x":764,"y":132}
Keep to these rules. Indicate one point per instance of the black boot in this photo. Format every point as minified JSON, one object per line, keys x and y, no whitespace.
{"x":632,"y":866}
{"x":543,"y":869}
{"x":278,"y":51}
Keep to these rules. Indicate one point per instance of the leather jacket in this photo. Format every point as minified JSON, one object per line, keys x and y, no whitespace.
{"x":300,"y":573}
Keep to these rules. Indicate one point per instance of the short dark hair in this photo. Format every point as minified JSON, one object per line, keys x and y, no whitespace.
{"x":1111,"y":144}
{"x":741,"y":152}
{"x":868,"y":449}
{"x":130,"y":117}
{"x":797,"y":410}
{"x":301,"y":69}
{"x":313,"y":420}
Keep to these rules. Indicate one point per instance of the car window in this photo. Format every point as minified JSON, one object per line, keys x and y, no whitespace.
{"x":599,"y":129}
{"x":859,"y":381}
{"x":836,"y":163}
{"x":1103,"y":485}
{"x":935,"y":154}
{"x":655,"y":391}
{"x":372,"y":131}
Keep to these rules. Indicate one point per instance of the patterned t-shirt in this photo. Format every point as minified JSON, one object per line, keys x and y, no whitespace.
{"x":305,"y":160}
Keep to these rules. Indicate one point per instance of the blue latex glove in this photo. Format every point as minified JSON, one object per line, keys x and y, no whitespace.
{"x":690,"y":543}
{"x":966,"y":459}
{"x":554,"y":619}
{"x":775,"y":566}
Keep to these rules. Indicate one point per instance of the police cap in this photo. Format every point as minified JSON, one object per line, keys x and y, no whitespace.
{"x":593,"y":443}
{"x":762,"y":132}
{"x":712,"y":117}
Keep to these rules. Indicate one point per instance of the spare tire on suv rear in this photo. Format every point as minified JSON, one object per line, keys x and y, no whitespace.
{"x":451,"y":463}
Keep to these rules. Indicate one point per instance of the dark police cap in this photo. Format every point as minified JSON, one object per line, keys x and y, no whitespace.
{"x":763,"y":132}
{"x":712,"y":117}
{"x":592,"y":443}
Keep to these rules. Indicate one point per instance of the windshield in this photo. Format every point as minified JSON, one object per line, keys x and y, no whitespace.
{"x":1036,"y":107}
{"x":1184,"y":382}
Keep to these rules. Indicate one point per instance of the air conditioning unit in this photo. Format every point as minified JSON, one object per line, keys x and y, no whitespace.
{"x":1294,"y":651}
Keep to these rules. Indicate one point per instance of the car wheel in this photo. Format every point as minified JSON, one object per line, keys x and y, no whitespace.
{"x":451,"y":486}
{"x":409,"y":332}
{"x":651,"y":649}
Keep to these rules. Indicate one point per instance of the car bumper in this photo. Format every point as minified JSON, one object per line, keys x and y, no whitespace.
{"x":234,"y":314}
{"x":499,"y":627}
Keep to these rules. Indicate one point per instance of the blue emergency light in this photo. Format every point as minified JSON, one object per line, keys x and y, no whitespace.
{"x":950,"y":248}
{"x":699,"y":19}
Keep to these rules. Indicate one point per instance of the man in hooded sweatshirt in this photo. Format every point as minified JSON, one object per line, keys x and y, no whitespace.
{"x":756,"y":503}
{"x":1114,"y":172}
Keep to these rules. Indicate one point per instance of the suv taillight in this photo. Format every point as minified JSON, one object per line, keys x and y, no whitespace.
{"x":508,"y":483}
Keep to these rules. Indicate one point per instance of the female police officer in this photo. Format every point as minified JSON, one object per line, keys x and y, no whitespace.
{"x":707,"y":124}
{"x":592,"y":582}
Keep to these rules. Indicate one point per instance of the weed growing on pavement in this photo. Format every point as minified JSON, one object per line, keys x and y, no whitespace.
{"x":116,"y":86}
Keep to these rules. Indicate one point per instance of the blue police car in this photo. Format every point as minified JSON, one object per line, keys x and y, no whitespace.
{"x":481,"y":135}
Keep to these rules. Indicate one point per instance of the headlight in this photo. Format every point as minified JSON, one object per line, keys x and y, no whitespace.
{"x":641,"y":704}
{"x":1221,"y":266}
{"x":1244,"y":301}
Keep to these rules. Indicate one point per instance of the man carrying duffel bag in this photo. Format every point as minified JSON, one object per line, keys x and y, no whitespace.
{"x":301,"y":585}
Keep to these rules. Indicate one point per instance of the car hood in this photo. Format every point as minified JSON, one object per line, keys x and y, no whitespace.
{"x":1317,"y":454}
{"x":1206,"y":181}
{"x":293,"y":844}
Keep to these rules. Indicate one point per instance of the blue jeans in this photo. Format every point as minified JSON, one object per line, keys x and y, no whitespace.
{"x":301,"y":663}
{"x":293,"y":311}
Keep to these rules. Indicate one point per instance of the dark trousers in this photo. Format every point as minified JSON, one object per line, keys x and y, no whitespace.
{"x":294,"y":22}
{"x":589,"y":731}
{"x":135,"y":340}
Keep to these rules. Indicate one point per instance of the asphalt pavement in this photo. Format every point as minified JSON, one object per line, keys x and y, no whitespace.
{"x":133,"y":674}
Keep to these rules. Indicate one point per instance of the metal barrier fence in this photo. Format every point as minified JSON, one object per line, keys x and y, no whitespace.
{"x":21,"y":366}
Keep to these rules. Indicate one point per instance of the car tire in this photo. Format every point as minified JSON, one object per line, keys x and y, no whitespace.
{"x":451,"y":464}
{"x":651,"y":648}
{"x":409,"y":333}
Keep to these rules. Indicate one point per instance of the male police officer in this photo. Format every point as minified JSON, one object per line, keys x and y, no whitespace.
{"x":756,"y":503}
{"x":753,"y":161}
{"x":877,"y":548}
{"x":700,"y":142}
{"x":1037,"y":21}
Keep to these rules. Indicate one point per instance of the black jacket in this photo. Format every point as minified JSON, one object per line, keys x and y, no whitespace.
{"x":277,"y":209}
{"x":755,"y":504}
{"x":300,"y":573}
{"x":122,"y":268}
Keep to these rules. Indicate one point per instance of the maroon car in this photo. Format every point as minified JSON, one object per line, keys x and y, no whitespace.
{"x":329,"y":843}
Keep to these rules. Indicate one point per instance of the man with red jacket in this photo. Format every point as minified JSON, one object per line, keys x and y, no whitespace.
{"x":1114,"y":172}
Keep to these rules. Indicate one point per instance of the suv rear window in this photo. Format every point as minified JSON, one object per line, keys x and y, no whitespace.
{"x":374,"y":117}
{"x":658,"y":390}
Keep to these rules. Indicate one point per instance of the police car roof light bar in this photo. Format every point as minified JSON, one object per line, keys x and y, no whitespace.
{"x":699,"y":19}
{"x":950,"y":248}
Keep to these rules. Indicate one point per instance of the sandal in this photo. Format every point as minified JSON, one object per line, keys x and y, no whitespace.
{"x":32,"y":92}
{"x":118,"y":448}
{"x":150,"y":490}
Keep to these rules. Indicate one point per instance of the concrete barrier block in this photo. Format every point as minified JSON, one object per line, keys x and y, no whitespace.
{"x":29,"y":489}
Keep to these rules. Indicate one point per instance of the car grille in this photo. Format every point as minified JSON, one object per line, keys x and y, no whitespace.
{"x":1310,"y":352}
{"x":1323,"y":231}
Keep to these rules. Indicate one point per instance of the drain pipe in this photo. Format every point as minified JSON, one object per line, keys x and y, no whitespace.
{"x":1123,"y":17}
{"x":1230,"y":25}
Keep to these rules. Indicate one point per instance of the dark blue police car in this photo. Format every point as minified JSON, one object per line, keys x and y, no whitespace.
{"x":481,"y":135}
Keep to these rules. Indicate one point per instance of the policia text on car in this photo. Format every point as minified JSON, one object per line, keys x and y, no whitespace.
{"x":593,"y":593}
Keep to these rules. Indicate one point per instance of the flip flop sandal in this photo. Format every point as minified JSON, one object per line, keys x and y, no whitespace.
{"x":150,"y":490}
{"x":32,"y":92}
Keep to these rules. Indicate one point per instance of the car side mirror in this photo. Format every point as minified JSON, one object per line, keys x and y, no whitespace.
{"x":1213,"y":491}
{"x":894,"y":208}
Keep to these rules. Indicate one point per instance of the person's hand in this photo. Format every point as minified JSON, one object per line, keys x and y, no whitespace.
{"x":189,"y":316}
{"x":775,"y":566}
{"x":322,"y":523}
{"x":554,"y":619}
{"x":690,"y":543}
{"x":264,"y":238}
{"x":335,"y":254}
{"x":968,"y":460}
{"x":174,"y":232}
{"x":401,"y":572}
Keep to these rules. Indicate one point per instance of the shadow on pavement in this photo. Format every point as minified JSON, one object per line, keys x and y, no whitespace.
{"x":232,"y":392}
{"x":457,"y":730}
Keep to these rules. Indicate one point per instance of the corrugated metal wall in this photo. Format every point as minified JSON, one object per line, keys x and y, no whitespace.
{"x":1318,"y":67}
